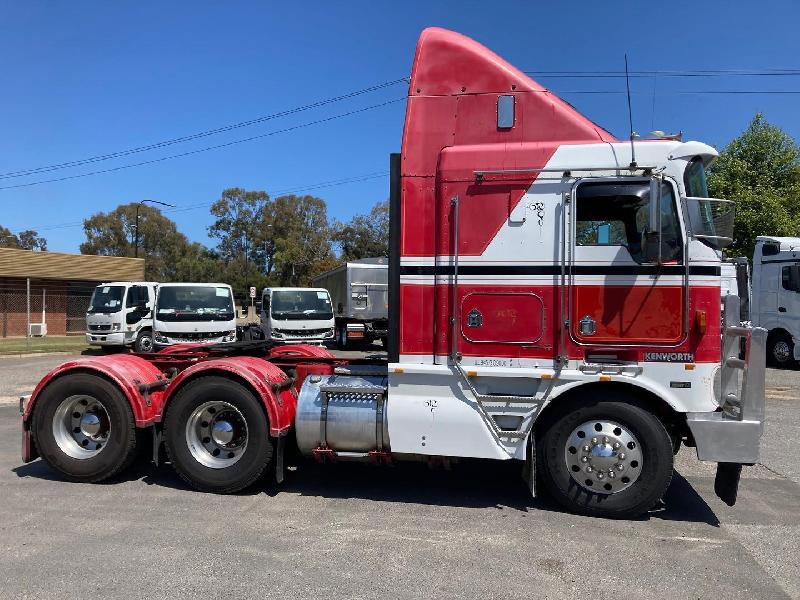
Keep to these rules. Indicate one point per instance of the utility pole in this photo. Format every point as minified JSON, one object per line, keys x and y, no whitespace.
{"x":136,"y":224}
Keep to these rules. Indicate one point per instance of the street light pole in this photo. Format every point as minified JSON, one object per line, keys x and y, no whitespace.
{"x":136,"y":224}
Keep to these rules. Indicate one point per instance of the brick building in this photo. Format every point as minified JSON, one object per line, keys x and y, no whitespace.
{"x":60,"y":287}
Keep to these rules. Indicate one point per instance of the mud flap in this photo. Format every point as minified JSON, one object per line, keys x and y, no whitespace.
{"x":726,"y":483}
{"x":280,"y":447}
{"x":529,"y":467}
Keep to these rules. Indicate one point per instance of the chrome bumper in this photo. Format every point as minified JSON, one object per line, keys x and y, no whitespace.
{"x":733,"y":435}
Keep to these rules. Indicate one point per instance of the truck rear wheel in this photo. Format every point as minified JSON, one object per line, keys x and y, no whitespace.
{"x":606,"y":459}
{"x":217,"y":435}
{"x":83,"y":427}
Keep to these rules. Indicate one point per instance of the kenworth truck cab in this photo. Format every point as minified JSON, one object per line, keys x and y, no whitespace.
{"x":120,"y":314}
{"x":554,"y":299}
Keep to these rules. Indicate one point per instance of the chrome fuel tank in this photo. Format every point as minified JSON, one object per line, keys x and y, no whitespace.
{"x":345,"y":413}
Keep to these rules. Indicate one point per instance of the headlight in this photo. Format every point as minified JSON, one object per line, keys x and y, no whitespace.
{"x":329,"y":333}
{"x":116,"y":326}
{"x":276,"y":333}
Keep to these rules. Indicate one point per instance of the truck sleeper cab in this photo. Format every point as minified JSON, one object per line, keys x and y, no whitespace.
{"x":296,"y":315}
{"x":120,"y":314}
{"x":194,"y":312}
{"x":563,"y":312}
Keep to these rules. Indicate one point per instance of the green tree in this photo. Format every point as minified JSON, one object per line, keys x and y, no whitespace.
{"x":160,"y":243}
{"x":364,"y":236}
{"x":298,"y":236}
{"x":31,"y":240}
{"x":760,"y":170}
{"x":26,"y":240}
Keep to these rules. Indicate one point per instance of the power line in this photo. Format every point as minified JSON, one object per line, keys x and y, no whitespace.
{"x":207,"y":148}
{"x":663,"y":73}
{"x":201,"y":134}
{"x":282,"y":192}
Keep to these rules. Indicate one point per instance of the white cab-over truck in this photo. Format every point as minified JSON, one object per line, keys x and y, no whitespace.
{"x":360,"y":295}
{"x":776,"y":297}
{"x":120,"y":314}
{"x":296,"y":315}
{"x":194,"y":312}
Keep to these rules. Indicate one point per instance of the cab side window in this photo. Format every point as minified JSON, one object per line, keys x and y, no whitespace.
{"x":133,"y":296}
{"x":616,"y":214}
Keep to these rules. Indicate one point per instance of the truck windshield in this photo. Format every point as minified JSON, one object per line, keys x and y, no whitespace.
{"x":106,"y":299}
{"x":710,"y":220}
{"x":194,"y":303}
{"x":301,"y":304}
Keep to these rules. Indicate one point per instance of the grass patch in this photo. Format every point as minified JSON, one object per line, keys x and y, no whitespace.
{"x":45,"y":344}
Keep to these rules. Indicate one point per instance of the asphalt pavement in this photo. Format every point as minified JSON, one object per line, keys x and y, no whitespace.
{"x":356,"y":531}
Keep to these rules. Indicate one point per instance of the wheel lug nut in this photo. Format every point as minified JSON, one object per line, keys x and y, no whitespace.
{"x":594,"y":440}
{"x":589,"y":469}
{"x":611,"y":474}
{"x":620,"y":467}
{"x":621,"y":456}
{"x":605,"y":440}
{"x":599,"y":475}
{"x":586,"y":448}
{"x":617,"y":445}
{"x":584,"y":459}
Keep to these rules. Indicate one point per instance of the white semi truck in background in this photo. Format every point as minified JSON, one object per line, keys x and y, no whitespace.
{"x":296,"y":315}
{"x":776,"y":297}
{"x":360,"y":295}
{"x":120,"y":314}
{"x":194,"y":312}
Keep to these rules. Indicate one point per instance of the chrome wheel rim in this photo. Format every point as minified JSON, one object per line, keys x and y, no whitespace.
{"x":146,"y":344}
{"x":603,"y":457}
{"x":81,"y":427}
{"x":216,"y":434}
{"x":781,"y":351}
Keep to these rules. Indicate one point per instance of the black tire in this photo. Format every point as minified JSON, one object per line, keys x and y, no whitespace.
{"x":341,"y":338}
{"x":118,"y":450}
{"x":144,"y":342}
{"x":780,"y":350}
{"x":257,"y":453}
{"x":655,"y":470}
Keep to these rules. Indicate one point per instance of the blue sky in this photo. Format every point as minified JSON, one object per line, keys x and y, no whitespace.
{"x":81,"y":79}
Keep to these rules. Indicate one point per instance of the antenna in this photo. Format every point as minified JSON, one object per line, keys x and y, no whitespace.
{"x":632,"y":166}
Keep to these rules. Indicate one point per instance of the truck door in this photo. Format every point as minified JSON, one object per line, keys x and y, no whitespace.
{"x":136,"y":307}
{"x":623,"y":289}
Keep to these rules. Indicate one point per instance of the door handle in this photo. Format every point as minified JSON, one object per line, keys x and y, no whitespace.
{"x":781,"y":309}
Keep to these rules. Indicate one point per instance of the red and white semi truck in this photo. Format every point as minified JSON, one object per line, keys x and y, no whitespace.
{"x":553,"y":299}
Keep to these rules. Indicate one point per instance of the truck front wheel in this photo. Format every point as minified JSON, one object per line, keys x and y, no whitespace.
{"x":83,"y":427}
{"x":780,"y":350}
{"x":606,"y":459}
{"x":144,"y":341}
{"x":217,"y":435}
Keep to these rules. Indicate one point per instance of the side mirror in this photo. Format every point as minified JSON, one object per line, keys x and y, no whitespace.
{"x":651,"y":239}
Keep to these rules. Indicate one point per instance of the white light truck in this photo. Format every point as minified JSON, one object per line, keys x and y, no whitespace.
{"x":194,"y":312}
{"x":297,"y":315}
{"x":776,"y":297}
{"x":121,"y":314}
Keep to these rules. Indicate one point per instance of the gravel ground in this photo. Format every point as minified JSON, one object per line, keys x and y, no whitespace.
{"x":354,"y":531}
